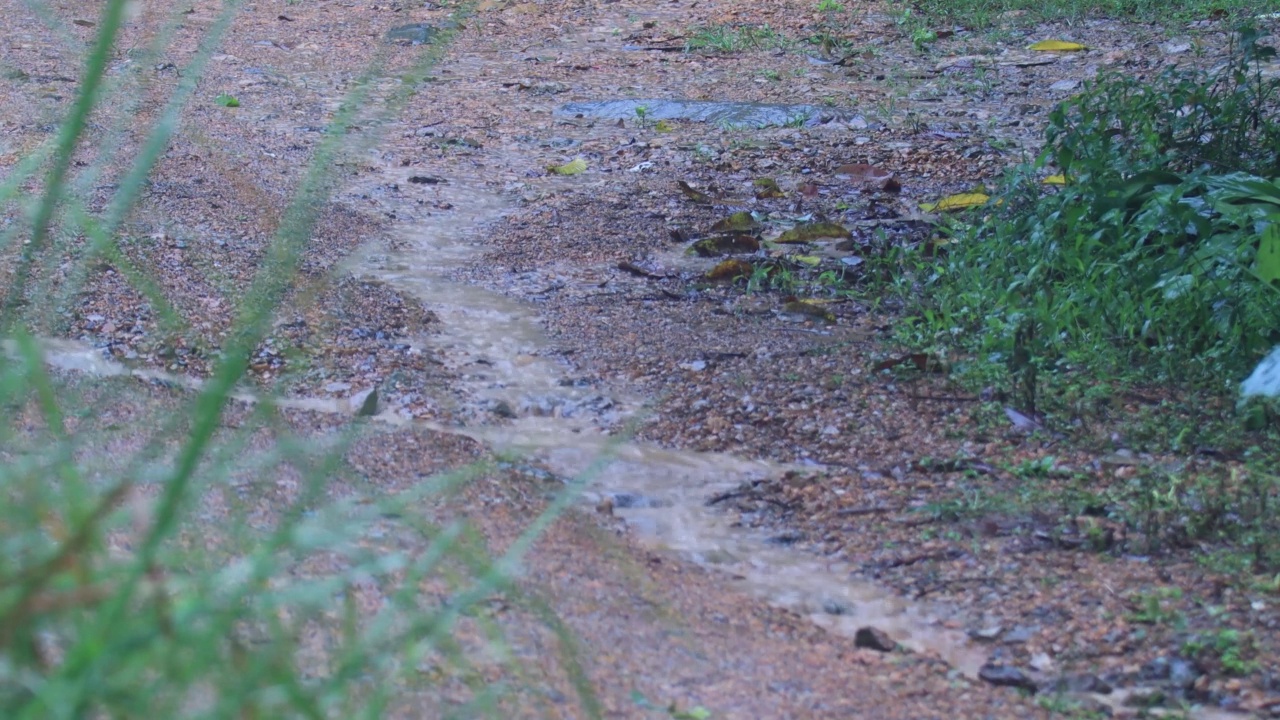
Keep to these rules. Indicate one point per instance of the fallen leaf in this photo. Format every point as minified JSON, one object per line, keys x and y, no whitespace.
{"x":808,"y":232}
{"x":809,"y":189}
{"x":628,"y":266}
{"x":810,"y":260}
{"x":694,"y":195}
{"x":737,"y":222}
{"x":870,"y":175}
{"x":725,"y":244}
{"x":767,"y":188}
{"x":1020,"y":421}
{"x":1058,"y":179}
{"x":730,"y":270}
{"x":923,"y":362}
{"x":961,"y":201}
{"x":577,"y":166}
{"x":1057,"y":46}
{"x":800,"y":307}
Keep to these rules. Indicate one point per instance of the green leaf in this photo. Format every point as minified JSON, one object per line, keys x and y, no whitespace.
{"x":577,"y":166}
{"x":226,"y":100}
{"x":1268,"y":263}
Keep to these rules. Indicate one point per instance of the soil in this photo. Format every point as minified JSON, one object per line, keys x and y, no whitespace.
{"x":637,"y":340}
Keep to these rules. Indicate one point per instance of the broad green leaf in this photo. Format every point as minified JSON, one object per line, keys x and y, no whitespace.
{"x":577,"y":166}
{"x":1268,"y":263}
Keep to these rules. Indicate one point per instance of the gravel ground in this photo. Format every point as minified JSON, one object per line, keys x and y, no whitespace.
{"x":720,"y":370}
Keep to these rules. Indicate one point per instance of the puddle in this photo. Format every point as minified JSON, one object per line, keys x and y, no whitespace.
{"x":730,"y":114}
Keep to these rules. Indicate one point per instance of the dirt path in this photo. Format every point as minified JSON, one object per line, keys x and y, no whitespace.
{"x":483,"y":296}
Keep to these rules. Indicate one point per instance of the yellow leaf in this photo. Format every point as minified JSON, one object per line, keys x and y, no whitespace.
{"x":809,"y":260}
{"x":574,"y":167}
{"x":663,"y":126}
{"x":808,"y":232}
{"x":1058,"y":179}
{"x":956,"y":202}
{"x":800,"y":307}
{"x":730,"y":270}
{"x":1057,"y":46}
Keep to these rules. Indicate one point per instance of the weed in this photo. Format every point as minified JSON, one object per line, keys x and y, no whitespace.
{"x":993,"y":13}
{"x":1156,"y":608}
{"x":736,"y":38}
{"x":1229,"y":649}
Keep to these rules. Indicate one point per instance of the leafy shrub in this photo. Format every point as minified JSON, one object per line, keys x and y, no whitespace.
{"x":1148,"y":258}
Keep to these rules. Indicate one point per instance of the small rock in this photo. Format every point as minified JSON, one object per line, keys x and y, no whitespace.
{"x":869,"y":637}
{"x":412,"y":34}
{"x":1145,"y":698}
{"x":635,"y":501}
{"x":1007,"y":676}
{"x":834,"y":607}
{"x":1176,"y":47}
{"x":1020,"y":634}
{"x":1082,"y":683}
{"x":337,"y":387}
{"x":986,"y":634}
{"x":503,"y":409}
{"x":1065,"y":85}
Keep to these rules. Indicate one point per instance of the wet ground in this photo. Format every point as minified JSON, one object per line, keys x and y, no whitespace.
{"x":508,"y":264}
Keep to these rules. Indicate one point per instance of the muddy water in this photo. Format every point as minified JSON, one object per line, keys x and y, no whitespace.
{"x":499,"y":347}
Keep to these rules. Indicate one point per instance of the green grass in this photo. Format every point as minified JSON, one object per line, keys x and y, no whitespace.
{"x":121,"y":595}
{"x":980,"y":14}
{"x":729,"y":38}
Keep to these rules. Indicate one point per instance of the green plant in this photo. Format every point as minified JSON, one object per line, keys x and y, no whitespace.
{"x":736,"y":38}
{"x":995,"y":13}
{"x":1158,"y":607}
{"x":122,"y":592}
{"x":830,"y":6}
{"x":1147,"y":260}
{"x":1231,"y":650}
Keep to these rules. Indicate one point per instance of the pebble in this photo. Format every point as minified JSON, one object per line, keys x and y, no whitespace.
{"x":1007,"y":676}
{"x":874,"y":639}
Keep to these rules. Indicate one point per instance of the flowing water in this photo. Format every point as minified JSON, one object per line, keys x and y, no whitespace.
{"x":661,"y":492}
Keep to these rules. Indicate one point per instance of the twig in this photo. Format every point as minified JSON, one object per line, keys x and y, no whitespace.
{"x":867,"y":510}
